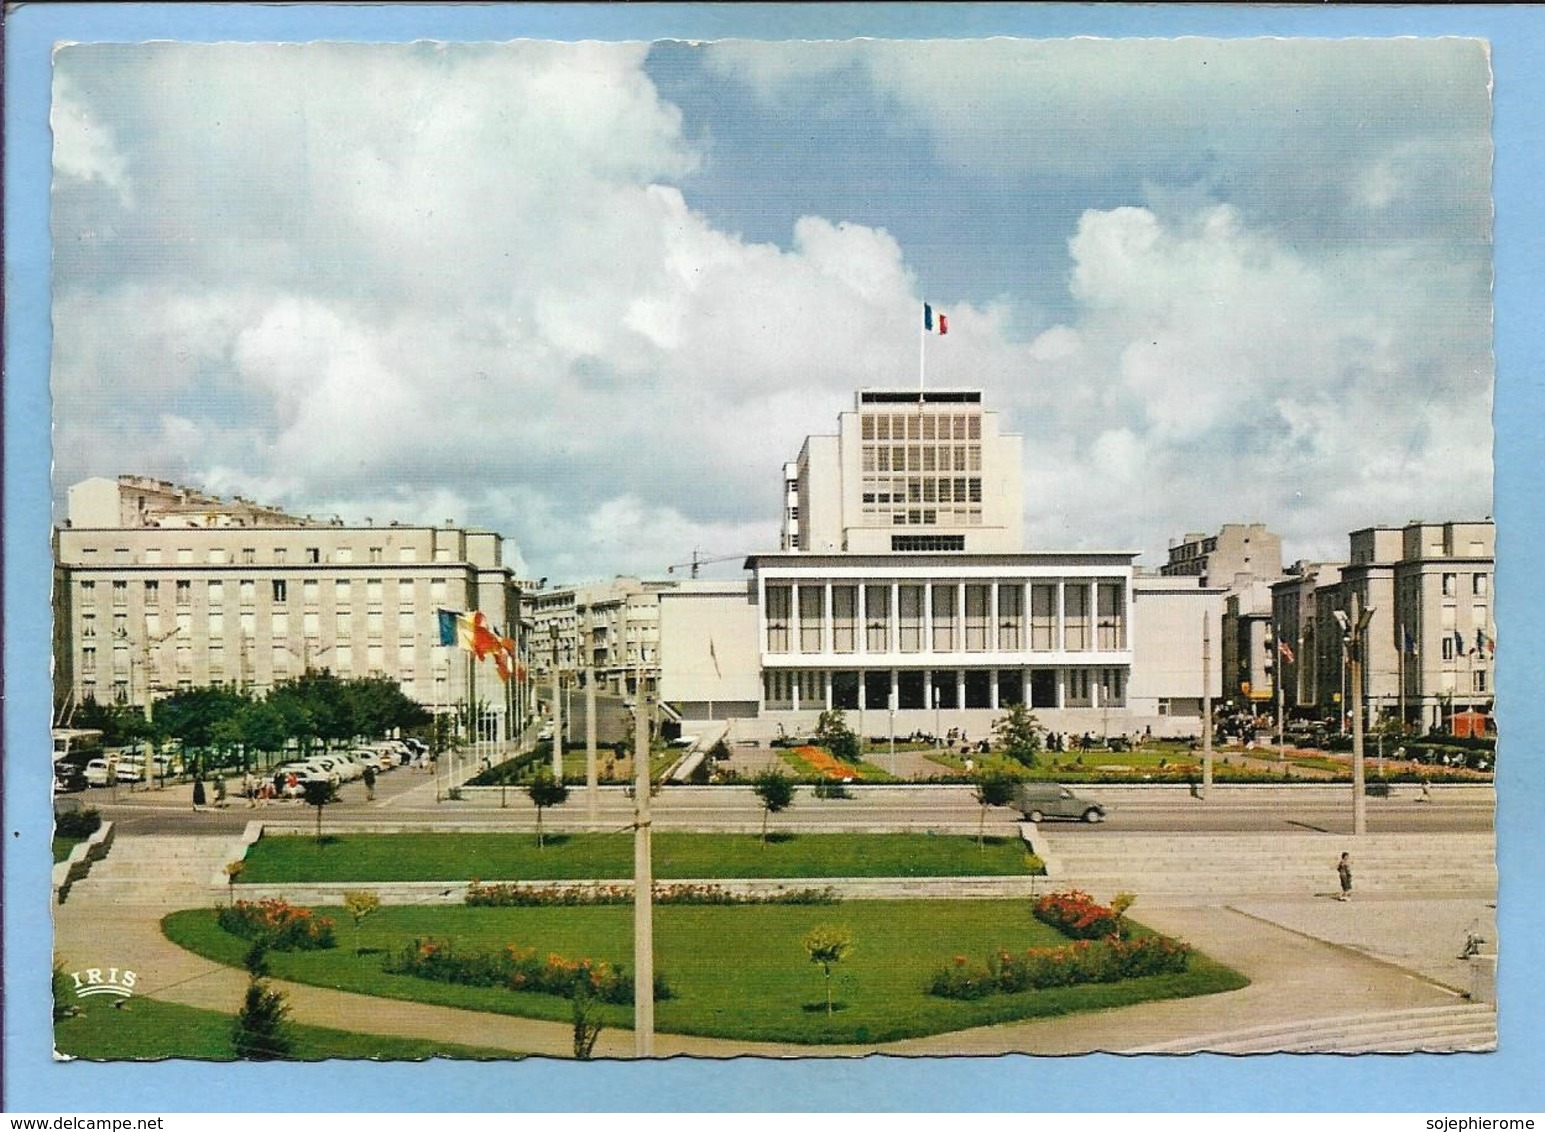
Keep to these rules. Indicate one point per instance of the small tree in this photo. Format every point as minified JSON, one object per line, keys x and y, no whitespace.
{"x":992,"y":789}
{"x":776,"y":793}
{"x":1018,"y":734}
{"x":587,"y":1022}
{"x":261,"y":1031}
{"x":319,"y":792}
{"x":359,"y":905}
{"x":833,"y":733}
{"x":545,"y":790}
{"x":233,"y":871}
{"x":828,"y":946}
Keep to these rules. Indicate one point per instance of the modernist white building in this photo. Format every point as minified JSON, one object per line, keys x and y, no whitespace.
{"x":161,"y":588}
{"x":902,"y":596}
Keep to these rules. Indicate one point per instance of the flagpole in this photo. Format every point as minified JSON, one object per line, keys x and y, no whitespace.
{"x":1405,"y":643}
{"x":922,"y":353}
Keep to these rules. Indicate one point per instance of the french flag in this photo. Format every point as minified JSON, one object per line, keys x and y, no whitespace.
{"x":935,"y":322}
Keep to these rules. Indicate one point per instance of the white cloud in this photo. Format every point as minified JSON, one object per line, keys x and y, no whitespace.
{"x":83,"y":146}
{"x":466,"y":282}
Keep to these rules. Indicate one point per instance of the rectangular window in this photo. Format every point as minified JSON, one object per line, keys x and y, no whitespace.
{"x":1112,"y":616}
{"x":120,"y":593}
{"x":977,"y":614}
{"x":1077,"y":688}
{"x":407,"y":554}
{"x":218,"y":556}
{"x":944,"y":598}
{"x":1043,"y":617}
{"x":281,"y":591}
{"x":345,"y":624}
{"x":152,"y":593}
{"x":374,"y":589}
{"x":343,"y":657}
{"x":405,"y":624}
{"x":437,"y":589}
{"x":310,"y":591}
{"x":1011,"y":618}
{"x":845,"y":618}
{"x":280,"y":625}
{"x":88,"y":593}
{"x":1075,"y":609}
{"x":216,"y":623}
{"x":281,"y":660}
{"x":313,"y":555}
{"x":1479,"y":584}
{"x":248,"y":624}
{"x":1478,"y":684}
{"x":812,"y":607}
{"x":216,"y":659}
{"x":376,"y":554}
{"x":184,"y":555}
{"x":88,"y":624}
{"x":910,"y":611}
{"x":1113,"y":687}
{"x":343,"y":554}
{"x":1450,"y":585}
{"x":877,"y":618}
{"x":88,"y":659}
{"x":1011,"y":687}
{"x":310,"y":624}
{"x":184,"y":593}
{"x":778,"y":613}
{"x":376,"y":656}
{"x":248,"y":593}
{"x":405,"y":656}
{"x":216,"y":593}
{"x":152,"y":623}
{"x":373,"y":622}
{"x":248,"y":555}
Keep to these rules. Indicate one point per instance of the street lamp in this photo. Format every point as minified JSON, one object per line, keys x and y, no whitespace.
{"x":1354,"y":628}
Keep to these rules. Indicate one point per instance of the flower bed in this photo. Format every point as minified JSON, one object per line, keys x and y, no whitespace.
{"x":286,"y":928}
{"x":481,"y":895}
{"x":824,"y":763}
{"x":1075,"y":914}
{"x":518,"y":969}
{"x":1102,"y":952}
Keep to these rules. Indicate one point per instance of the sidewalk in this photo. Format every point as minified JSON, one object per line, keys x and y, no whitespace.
{"x":1306,"y":959}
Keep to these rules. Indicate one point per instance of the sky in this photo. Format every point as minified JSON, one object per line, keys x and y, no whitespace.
{"x":592,"y":295}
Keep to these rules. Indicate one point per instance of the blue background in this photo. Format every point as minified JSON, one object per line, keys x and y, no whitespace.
{"x":1505,"y":1081}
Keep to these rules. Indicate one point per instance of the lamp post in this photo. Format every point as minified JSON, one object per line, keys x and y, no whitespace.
{"x":1206,"y":705}
{"x":1354,"y":628}
{"x":643,"y":883}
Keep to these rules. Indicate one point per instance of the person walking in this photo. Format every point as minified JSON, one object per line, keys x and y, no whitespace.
{"x":1344,"y":873}
{"x":370,"y":784}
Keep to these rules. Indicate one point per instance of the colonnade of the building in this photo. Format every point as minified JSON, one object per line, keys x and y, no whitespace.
{"x":948,"y":689}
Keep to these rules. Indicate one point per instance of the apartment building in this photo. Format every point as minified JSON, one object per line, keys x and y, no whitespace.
{"x":609,"y":629}
{"x":163,"y":588}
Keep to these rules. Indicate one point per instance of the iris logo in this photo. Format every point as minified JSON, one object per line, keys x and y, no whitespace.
{"x":115,"y":981}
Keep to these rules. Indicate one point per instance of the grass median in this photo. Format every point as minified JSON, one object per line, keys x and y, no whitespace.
{"x":140,"y":1029}
{"x":738,"y":973}
{"x":381,"y":858}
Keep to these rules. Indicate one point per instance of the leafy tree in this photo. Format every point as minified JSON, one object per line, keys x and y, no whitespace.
{"x":1018,"y":734}
{"x":319,"y":792}
{"x":775,"y":792}
{"x":833,"y":733}
{"x":194,"y":715}
{"x":828,"y":946}
{"x":360,"y":904}
{"x":992,"y":789}
{"x":545,"y":790}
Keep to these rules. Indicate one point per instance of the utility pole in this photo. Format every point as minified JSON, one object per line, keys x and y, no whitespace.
{"x":1354,"y":629}
{"x":557,"y":720}
{"x":1206,"y":704}
{"x":592,"y":777}
{"x":643,"y":884}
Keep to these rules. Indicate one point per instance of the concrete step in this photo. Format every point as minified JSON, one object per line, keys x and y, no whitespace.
{"x":1467,"y":1026}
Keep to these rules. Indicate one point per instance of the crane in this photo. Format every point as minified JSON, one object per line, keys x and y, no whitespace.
{"x":698,"y":560}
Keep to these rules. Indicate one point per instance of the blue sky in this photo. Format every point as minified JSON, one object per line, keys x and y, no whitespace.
{"x":592,"y":295}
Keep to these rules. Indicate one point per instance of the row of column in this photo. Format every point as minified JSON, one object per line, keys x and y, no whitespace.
{"x":1108,"y":689}
{"x":862,"y":615}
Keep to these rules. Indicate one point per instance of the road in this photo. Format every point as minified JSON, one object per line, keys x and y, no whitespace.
{"x":405,"y":799}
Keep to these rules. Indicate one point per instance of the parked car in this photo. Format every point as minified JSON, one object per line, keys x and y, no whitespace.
{"x":1041,"y":800}
{"x":68,"y":778}
{"x":546,"y":733}
{"x":130,"y":769}
{"x":96,"y":773}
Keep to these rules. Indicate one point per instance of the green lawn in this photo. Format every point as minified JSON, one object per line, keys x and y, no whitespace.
{"x":737,"y":972}
{"x":63,"y":845}
{"x":145,"y":1028}
{"x":514,"y":856}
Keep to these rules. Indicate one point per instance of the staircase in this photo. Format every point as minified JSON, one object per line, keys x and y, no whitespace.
{"x":1214,"y":868}
{"x":1461,"y":1028}
{"x":174,"y":872}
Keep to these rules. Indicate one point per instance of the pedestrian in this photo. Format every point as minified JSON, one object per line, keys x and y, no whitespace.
{"x":1426,"y":795}
{"x":370,"y":784}
{"x":198,"y":794}
{"x":1344,"y":873}
{"x":249,"y":789}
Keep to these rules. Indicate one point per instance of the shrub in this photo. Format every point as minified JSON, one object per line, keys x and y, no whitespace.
{"x":518,"y":969}
{"x":261,"y":1029}
{"x":78,"y":824}
{"x":1075,"y":914}
{"x":526,"y":896}
{"x":281,"y":926}
{"x":720,"y":751}
{"x":1074,"y":964}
